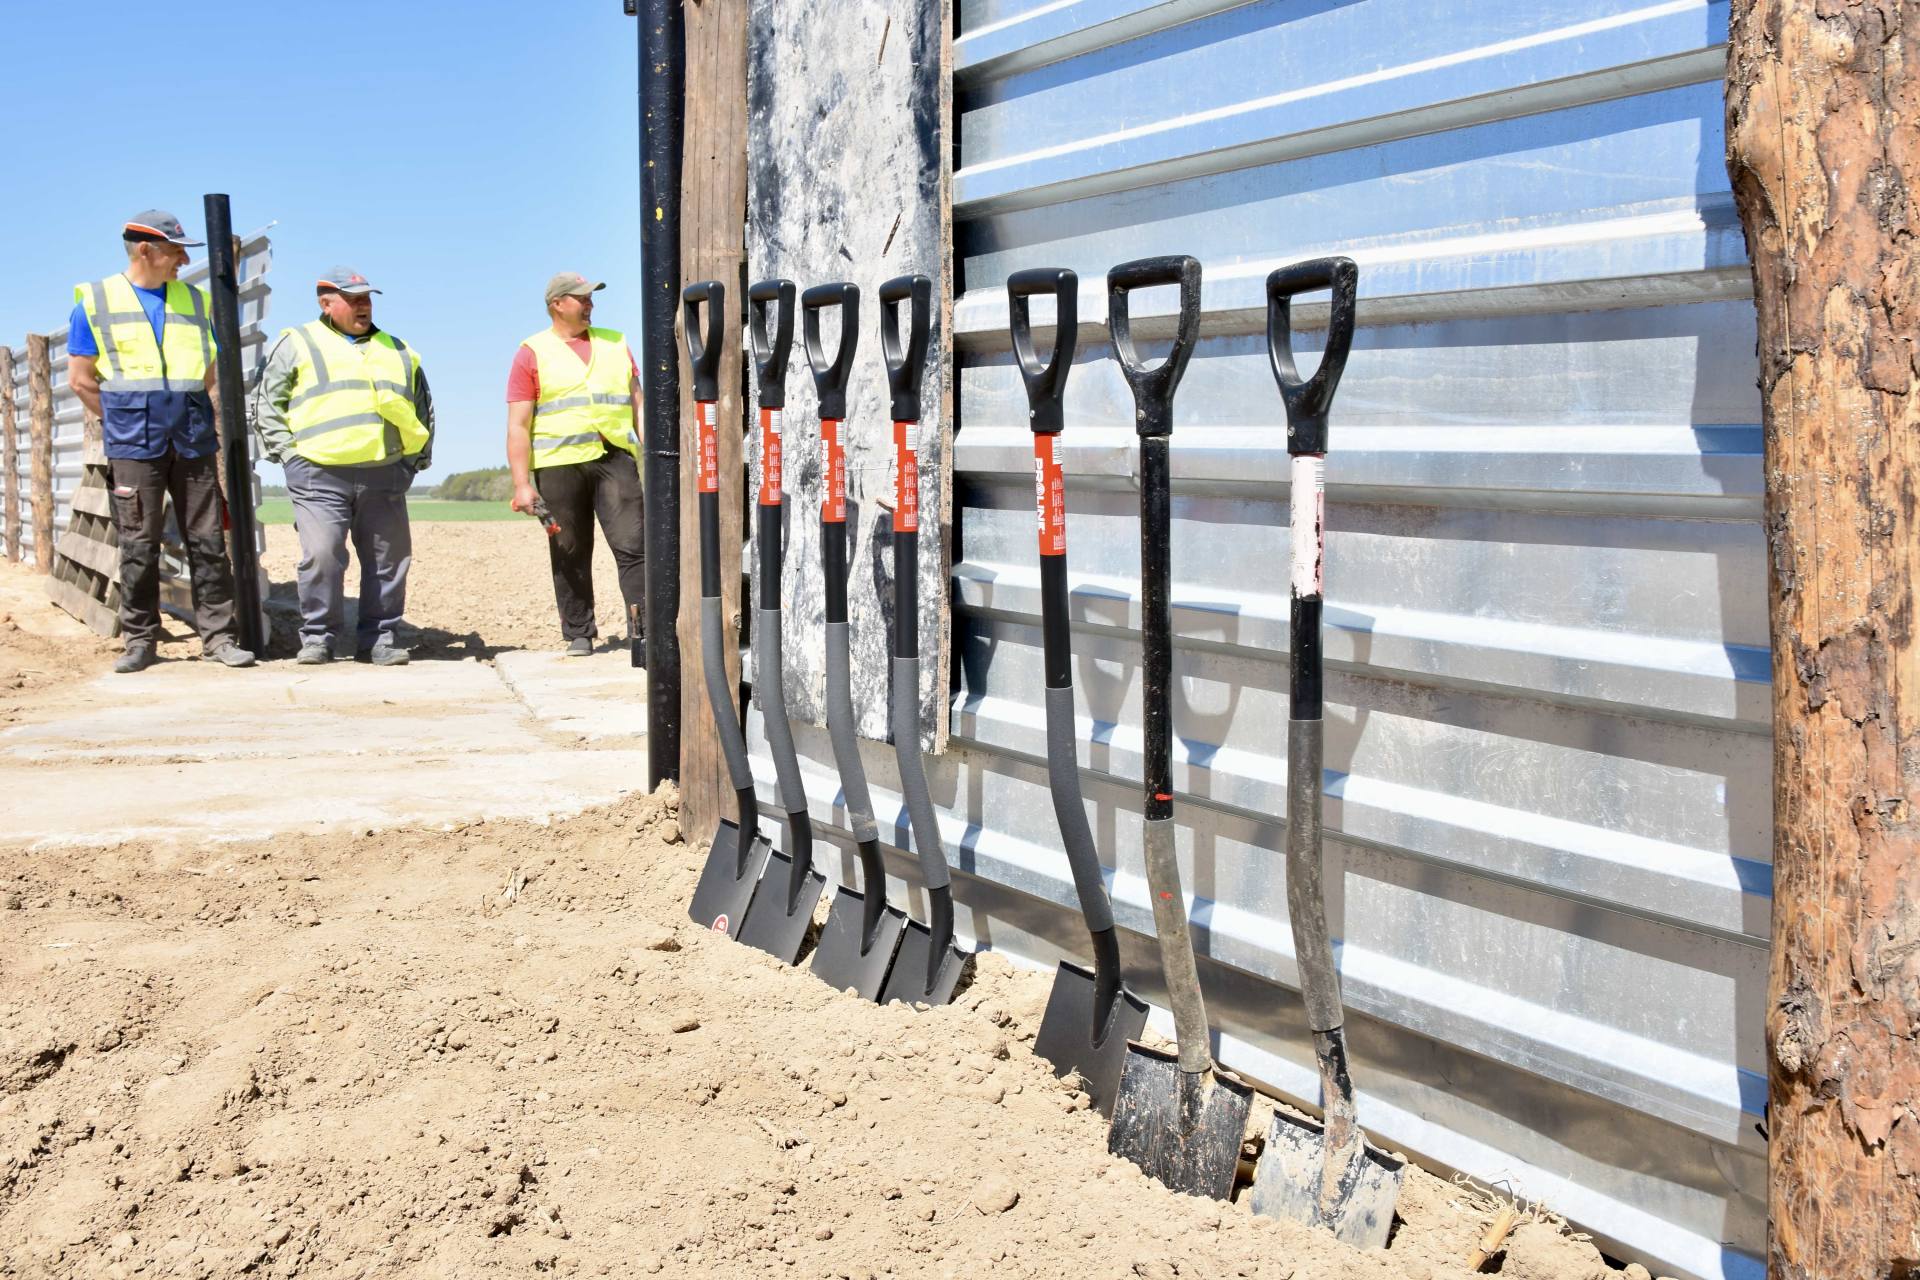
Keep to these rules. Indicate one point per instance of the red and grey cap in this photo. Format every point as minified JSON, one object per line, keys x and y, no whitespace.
{"x":572,"y":284}
{"x":344,"y":280}
{"x":158,"y":224}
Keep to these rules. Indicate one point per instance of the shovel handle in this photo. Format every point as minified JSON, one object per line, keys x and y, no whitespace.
{"x":830,"y":380}
{"x":1308,"y":399}
{"x":1153,"y":388}
{"x":906,"y":360}
{"x":704,"y":341}
{"x":770,"y":349}
{"x":1046,"y":382}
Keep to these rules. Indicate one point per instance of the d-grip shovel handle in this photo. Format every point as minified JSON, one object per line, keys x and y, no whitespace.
{"x":770,"y":350}
{"x":830,"y":380}
{"x":1046,"y":382}
{"x":1308,"y":399}
{"x":704,"y":342}
{"x":906,"y":362}
{"x":1153,"y":388}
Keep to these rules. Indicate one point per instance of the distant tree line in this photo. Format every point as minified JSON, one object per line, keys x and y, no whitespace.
{"x":492,"y":484}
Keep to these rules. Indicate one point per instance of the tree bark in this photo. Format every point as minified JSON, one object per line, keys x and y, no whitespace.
{"x":9,"y":459}
{"x":1823,"y":131}
{"x":40,"y":412}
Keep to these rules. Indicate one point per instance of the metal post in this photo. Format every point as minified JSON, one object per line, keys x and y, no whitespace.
{"x":662,"y":52}
{"x":9,"y":458}
{"x":243,"y":542}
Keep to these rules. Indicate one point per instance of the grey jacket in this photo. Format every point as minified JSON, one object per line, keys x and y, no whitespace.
{"x":268,"y":409}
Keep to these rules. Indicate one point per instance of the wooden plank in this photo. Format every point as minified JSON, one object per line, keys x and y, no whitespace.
{"x":40,"y":422}
{"x":103,"y":558}
{"x":93,"y":500}
{"x":713,"y":201}
{"x":9,"y":457}
{"x":849,"y":177}
{"x":99,"y":618}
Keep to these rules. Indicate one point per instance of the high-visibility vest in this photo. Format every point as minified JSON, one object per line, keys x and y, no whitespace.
{"x":347,"y":394}
{"x":582,"y":406}
{"x":130,"y":360}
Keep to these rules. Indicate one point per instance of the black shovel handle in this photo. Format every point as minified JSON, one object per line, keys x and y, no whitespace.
{"x":906,"y":361}
{"x":830,"y":380}
{"x":704,"y":341}
{"x":1153,"y":388}
{"x":1046,"y":381}
{"x":770,"y":349}
{"x":1308,"y":399}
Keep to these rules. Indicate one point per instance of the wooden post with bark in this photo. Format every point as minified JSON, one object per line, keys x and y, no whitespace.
{"x":40,"y":423}
{"x":1823,"y":146}
{"x":713,"y":210}
{"x":9,"y":458}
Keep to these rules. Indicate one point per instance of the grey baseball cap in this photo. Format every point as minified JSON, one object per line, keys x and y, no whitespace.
{"x":158,"y":224}
{"x":344,"y":280}
{"x":572,"y":283}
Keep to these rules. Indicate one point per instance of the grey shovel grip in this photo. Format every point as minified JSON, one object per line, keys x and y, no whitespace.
{"x":1063,"y":772}
{"x":1306,"y":895}
{"x":913,"y":774}
{"x":771,"y":693}
{"x":1177,"y":965}
{"x":846,"y":743}
{"x":713,"y":663}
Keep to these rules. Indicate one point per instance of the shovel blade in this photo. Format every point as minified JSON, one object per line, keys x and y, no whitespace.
{"x":1287,"y":1184}
{"x":838,"y":960}
{"x":770,"y":925}
{"x":1072,"y":1040}
{"x":1189,"y":1145}
{"x":727,"y":882}
{"x":908,"y":981}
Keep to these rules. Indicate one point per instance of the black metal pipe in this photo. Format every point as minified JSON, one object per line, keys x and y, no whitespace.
{"x":243,"y":543}
{"x":662,"y":53}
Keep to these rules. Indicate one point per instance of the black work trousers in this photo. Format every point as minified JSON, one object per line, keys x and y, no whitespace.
{"x":141,"y":487}
{"x":576,"y":492}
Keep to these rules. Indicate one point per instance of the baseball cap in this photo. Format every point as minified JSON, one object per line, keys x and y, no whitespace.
{"x":344,"y":280}
{"x":158,"y":224}
{"x":572,"y":282}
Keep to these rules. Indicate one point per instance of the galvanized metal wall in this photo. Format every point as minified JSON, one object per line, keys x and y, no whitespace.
{"x":1548,"y":753}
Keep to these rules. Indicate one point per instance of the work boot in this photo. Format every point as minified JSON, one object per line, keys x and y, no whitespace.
{"x":387,"y":654}
{"x":138,"y":656}
{"x":581,"y":647}
{"x":228,"y":654}
{"x":313,"y":653}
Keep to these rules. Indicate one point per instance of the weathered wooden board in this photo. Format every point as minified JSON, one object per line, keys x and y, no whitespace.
{"x":847,"y":180}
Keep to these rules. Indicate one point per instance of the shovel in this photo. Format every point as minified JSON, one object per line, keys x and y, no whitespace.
{"x":782,"y":908}
{"x":857,"y":946}
{"x":1090,"y":1017}
{"x":739,"y":852}
{"x":929,"y":965}
{"x":1328,"y":1175}
{"x":1176,"y":1116}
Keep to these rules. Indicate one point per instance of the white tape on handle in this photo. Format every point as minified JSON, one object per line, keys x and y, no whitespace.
{"x":1309,"y":515}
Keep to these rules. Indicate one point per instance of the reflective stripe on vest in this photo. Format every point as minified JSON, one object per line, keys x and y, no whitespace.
{"x":129,"y":359}
{"x":348,"y":395}
{"x":583,"y":405}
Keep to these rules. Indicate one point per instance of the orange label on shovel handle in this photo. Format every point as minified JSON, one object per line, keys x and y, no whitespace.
{"x":1049,"y":496}
{"x":833,"y":473}
{"x":770,"y":479}
{"x":709,"y":450}
{"x":906,"y":477}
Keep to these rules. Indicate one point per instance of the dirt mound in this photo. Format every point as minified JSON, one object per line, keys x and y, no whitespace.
{"x":504,"y":1049}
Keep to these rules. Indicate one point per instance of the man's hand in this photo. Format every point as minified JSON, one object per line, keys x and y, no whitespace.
{"x":524,"y":498}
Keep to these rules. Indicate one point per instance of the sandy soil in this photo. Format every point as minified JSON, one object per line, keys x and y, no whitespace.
{"x":502,"y":1048}
{"x":473,"y":589}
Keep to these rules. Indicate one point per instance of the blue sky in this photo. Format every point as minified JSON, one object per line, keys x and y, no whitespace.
{"x":458,"y":154}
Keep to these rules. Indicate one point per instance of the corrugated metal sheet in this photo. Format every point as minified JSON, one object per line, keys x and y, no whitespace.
{"x":1548,"y":750}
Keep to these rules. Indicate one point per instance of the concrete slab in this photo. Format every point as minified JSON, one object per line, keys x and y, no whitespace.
{"x":602,"y":696}
{"x":191,"y":751}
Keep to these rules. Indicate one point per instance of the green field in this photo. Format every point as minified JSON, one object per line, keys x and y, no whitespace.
{"x":280,"y":510}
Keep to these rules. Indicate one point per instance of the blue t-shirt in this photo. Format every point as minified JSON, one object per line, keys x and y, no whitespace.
{"x":80,"y":334}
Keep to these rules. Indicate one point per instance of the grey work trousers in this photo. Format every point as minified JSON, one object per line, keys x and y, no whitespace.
{"x":368,"y":505}
{"x":576,"y":492}
{"x":141,"y":487}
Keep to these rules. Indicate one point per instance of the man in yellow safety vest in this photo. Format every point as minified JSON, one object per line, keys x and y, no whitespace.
{"x":343,"y":406}
{"x":140,"y":357}
{"x":573,"y":435}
